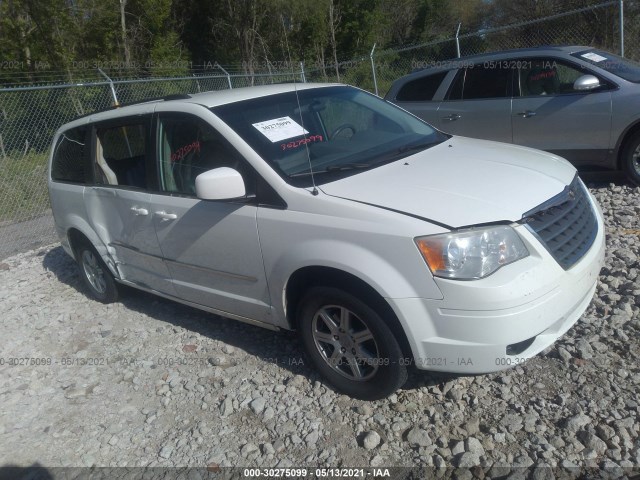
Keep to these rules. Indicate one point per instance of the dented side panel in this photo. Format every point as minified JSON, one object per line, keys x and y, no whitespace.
{"x":122,"y":220}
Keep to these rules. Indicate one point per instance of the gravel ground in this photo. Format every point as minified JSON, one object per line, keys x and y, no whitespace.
{"x":27,"y":235}
{"x":148,"y":382}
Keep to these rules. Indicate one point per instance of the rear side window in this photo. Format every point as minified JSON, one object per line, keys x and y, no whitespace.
{"x":121,"y":156}
{"x":70,"y":157}
{"x":421,"y":89}
{"x":479,"y":82}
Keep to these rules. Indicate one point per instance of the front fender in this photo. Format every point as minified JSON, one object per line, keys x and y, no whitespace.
{"x":376,"y":270}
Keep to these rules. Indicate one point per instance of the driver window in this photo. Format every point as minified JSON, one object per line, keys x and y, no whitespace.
{"x":187,"y":148}
{"x":547,"y":77}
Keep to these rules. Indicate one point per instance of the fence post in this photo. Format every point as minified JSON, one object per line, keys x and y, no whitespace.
{"x":302,"y":75}
{"x":4,"y":154}
{"x":113,"y":90}
{"x":622,"y":28}
{"x":197,"y":82}
{"x":373,"y":70}
{"x":226,"y":73}
{"x":458,"y":40}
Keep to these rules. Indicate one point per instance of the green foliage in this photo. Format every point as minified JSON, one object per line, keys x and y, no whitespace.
{"x":168,"y":36}
{"x":171,"y":37}
{"x":23,"y":186}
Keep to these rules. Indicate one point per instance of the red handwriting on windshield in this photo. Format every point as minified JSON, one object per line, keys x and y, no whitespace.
{"x":302,"y":141}
{"x":541,"y":75}
{"x":182,"y":152}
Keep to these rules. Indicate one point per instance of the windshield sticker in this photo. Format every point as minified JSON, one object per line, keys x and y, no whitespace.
{"x":594,"y":57}
{"x":280,"y":129}
{"x":302,"y":141}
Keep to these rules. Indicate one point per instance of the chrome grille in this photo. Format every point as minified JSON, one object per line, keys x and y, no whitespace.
{"x":566,"y":224}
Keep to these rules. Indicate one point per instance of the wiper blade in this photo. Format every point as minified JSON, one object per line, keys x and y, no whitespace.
{"x":417,"y":146}
{"x":334,"y":168}
{"x":346,"y":166}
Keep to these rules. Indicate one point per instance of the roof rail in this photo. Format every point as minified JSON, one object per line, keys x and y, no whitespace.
{"x":166,"y":98}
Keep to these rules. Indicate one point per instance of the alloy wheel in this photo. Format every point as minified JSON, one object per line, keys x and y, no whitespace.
{"x":345,"y":343}
{"x":635,"y":159}
{"x":93,"y":271}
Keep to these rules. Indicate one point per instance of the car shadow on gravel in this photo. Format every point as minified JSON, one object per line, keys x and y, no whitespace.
{"x":15,"y":472}
{"x":601,"y":178}
{"x":282,"y":348}
{"x":277,"y":347}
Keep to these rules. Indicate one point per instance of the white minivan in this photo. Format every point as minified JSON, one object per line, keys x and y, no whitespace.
{"x":324,"y":209}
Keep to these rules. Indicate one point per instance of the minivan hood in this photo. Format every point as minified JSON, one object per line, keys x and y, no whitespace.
{"x":461,"y":182}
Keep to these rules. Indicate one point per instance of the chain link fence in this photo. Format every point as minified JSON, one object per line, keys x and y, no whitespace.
{"x":29,"y":116}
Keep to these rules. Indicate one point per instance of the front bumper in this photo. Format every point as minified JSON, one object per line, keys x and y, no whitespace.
{"x":500,"y":321}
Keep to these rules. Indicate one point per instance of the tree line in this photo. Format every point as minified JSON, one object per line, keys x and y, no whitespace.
{"x":143,"y":37}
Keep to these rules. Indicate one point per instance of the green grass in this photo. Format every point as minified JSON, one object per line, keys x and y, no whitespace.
{"x":23,"y":186}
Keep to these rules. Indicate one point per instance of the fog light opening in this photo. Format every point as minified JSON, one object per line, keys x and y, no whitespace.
{"x":518,"y":348}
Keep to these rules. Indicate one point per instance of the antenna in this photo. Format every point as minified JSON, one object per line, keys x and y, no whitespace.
{"x":314,"y":191}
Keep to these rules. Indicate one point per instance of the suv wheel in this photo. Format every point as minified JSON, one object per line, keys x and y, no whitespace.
{"x":631,"y":159}
{"x":350,"y":344}
{"x":96,"y":275}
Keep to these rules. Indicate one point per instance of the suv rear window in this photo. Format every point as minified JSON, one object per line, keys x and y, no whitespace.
{"x":421,"y":89}
{"x":70,"y":157}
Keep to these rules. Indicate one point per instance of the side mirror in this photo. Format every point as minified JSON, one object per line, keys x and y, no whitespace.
{"x":586,"y":82}
{"x":222,"y":183}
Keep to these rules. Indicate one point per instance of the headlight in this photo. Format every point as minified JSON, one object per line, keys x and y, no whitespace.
{"x":471,"y":254}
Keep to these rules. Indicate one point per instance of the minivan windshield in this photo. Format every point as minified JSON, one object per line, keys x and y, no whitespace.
{"x":331,"y":131}
{"x":622,"y":67}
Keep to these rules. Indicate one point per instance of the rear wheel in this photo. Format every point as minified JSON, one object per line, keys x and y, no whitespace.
{"x":631,"y":158}
{"x":350,"y":344}
{"x":96,"y":275}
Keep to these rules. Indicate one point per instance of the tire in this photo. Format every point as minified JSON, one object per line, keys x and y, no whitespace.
{"x":95,"y":274}
{"x":332,"y":322}
{"x":631,"y":159}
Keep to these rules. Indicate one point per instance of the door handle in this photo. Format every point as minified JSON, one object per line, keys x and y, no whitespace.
{"x":140,"y":211}
{"x":452,"y":117}
{"x":166,"y":216}
{"x":526,"y":114}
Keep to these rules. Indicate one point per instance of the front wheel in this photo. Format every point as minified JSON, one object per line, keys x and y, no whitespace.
{"x":631,"y":159}
{"x":96,"y":275}
{"x":350,"y":344}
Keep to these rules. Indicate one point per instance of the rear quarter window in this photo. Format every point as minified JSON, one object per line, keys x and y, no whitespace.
{"x":421,"y":89}
{"x":70,"y":157}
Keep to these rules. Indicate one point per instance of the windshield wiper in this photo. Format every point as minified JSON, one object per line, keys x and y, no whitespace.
{"x":346,"y":166}
{"x":335,"y":168}
{"x":417,"y":146}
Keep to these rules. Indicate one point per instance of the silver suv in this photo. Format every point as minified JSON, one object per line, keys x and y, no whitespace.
{"x":577,"y":102}
{"x":326,"y":210}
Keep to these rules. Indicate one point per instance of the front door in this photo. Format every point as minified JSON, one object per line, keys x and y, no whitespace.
{"x":211,"y":248}
{"x":549,"y":114}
